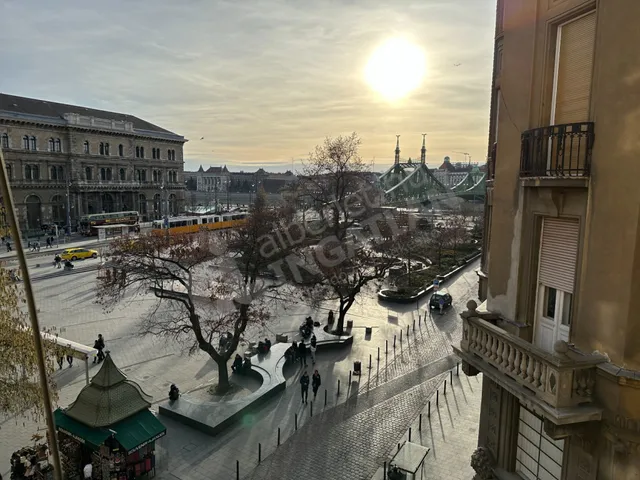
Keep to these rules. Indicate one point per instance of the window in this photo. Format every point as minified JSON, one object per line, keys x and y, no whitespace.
{"x":106,"y":149}
{"x":101,"y":148}
{"x":5,"y":140}
{"x":141,"y":152}
{"x":137,"y":152}
{"x":31,"y":172}
{"x":121,"y":150}
{"x":27,"y":172}
{"x":52,"y":147}
{"x":88,"y":173}
{"x":171,"y":154}
{"x":550,"y":302}
{"x":109,"y":174}
{"x":54,"y":173}
{"x":33,"y":143}
{"x":155,"y":175}
{"x":575,"y":47}
{"x":103,"y":174}
{"x":86,"y":148}
{"x":122,"y":175}
{"x":58,"y":145}
{"x":566,"y":309}
{"x":9,"y":172}
{"x":153,"y":153}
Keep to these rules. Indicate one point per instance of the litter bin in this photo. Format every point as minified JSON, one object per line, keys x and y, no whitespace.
{"x":357,"y":368}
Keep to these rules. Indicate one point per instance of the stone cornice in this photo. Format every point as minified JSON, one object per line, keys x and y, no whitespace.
{"x":622,"y":376}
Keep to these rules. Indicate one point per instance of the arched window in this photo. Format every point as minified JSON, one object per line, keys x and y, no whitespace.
{"x":106,"y":149}
{"x":155,"y":175}
{"x":52,"y":147}
{"x":103,"y":174}
{"x":58,"y":145}
{"x":35,"y":172}
{"x":101,"y":149}
{"x":58,"y":210}
{"x":60,"y":173}
{"x":108,"y":174}
{"x":25,"y":142}
{"x":34,"y":144}
{"x":5,"y":140}
{"x":121,"y":150}
{"x":54,"y":173}
{"x":122,"y":175}
{"x":27,"y":172}
{"x":137,"y":152}
{"x":86,"y":148}
{"x":141,"y":152}
{"x":88,"y":173}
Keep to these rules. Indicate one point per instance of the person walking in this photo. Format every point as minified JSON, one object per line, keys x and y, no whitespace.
{"x":99,"y":345}
{"x":304,"y":386}
{"x":302,"y":353}
{"x":312,"y":349}
{"x":315,"y":383}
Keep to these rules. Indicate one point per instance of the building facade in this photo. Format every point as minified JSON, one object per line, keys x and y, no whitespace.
{"x":66,"y":160}
{"x":213,"y":179}
{"x":556,"y":336}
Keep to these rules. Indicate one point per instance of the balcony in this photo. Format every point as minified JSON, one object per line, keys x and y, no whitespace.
{"x":557,"y":151}
{"x":561,"y":385}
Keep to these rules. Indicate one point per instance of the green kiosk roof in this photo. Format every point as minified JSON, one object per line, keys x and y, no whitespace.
{"x":132,"y":433}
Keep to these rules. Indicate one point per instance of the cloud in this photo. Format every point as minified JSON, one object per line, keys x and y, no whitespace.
{"x":261,"y":81}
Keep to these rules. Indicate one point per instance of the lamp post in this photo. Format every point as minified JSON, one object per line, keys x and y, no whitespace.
{"x":68,"y":229}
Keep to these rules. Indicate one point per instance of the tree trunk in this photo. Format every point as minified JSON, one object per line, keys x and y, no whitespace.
{"x":223,"y":377}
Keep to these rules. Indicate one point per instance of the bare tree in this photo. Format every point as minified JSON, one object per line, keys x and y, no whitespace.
{"x":457,"y":234}
{"x":209,"y":288}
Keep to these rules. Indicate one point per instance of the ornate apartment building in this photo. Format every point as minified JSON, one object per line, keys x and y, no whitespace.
{"x":66,"y":159}
{"x":557,"y":334}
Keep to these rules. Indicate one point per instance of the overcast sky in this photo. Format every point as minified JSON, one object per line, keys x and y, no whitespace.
{"x":263,"y":81}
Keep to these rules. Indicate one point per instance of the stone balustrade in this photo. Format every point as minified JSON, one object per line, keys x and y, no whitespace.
{"x":562,"y":379}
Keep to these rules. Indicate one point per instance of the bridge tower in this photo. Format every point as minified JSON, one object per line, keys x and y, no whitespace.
{"x":397,"y":160}
{"x":423,"y":150}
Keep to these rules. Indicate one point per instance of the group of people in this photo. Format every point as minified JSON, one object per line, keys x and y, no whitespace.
{"x":57,"y":262}
{"x":239,"y":365}
{"x":316,"y":381}
{"x":298,"y":351}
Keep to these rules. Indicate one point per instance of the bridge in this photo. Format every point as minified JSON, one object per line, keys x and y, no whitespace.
{"x":412,"y":183}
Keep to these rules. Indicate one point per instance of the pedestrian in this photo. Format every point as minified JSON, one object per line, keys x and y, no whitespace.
{"x":315,"y":383}
{"x":88,"y":471}
{"x":441,"y":304}
{"x":304,"y":386}
{"x":312,"y":350}
{"x":330,"y":316}
{"x":69,"y":356}
{"x":99,"y":345}
{"x":48,"y":242}
{"x":302,"y":353}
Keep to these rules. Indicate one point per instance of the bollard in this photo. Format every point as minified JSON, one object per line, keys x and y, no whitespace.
{"x":384,"y":473}
{"x":420,"y":423}
{"x":311,"y":409}
{"x":451,"y":377}
{"x":278,"y":436}
{"x":259,"y":452}
{"x":378,"y":353}
{"x":409,"y":433}
{"x":338,"y":387}
{"x":325,"y":397}
{"x":394,"y":341}
{"x":457,"y":365}
{"x":429,"y":410}
{"x":445,"y":386}
{"x":349,"y":377}
{"x":414,"y":324}
{"x":400,"y":336}
{"x":386,"y":347}
{"x":407,"y":331}
{"x":295,"y":421}
{"x":237,"y":469}
{"x":369,"y":361}
{"x":437,"y":397}
{"x":398,"y":447}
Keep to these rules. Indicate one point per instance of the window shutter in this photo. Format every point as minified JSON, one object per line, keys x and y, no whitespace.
{"x":559,"y":253}
{"x":575,"y":70}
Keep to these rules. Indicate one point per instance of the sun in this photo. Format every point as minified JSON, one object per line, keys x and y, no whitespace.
{"x":395,"y":68}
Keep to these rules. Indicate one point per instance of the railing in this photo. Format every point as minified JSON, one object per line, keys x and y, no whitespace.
{"x":564,"y":379}
{"x":557,"y":151}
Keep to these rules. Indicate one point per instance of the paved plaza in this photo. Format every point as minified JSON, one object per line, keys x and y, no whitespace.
{"x":376,"y":408}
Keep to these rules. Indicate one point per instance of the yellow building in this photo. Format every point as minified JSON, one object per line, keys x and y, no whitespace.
{"x":557,"y":336}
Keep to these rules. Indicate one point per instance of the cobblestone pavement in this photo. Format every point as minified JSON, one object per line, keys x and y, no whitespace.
{"x":449,"y":429}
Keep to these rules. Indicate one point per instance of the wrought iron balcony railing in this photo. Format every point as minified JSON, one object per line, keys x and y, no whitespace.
{"x":557,"y":151}
{"x":563,"y":379}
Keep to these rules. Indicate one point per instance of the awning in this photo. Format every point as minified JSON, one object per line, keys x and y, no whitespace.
{"x":132,"y":433}
{"x":94,"y":437}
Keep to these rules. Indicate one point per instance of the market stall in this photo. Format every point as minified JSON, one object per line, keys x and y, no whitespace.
{"x":110,"y":426}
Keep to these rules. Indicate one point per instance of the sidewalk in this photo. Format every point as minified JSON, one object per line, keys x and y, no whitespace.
{"x":91,"y":242}
{"x":451,"y":431}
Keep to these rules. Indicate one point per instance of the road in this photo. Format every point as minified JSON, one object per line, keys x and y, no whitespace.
{"x":67,"y":306}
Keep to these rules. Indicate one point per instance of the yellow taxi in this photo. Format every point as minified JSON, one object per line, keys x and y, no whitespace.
{"x":78,"y":254}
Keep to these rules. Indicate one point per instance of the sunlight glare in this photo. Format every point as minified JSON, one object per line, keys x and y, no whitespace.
{"x":396,"y":68}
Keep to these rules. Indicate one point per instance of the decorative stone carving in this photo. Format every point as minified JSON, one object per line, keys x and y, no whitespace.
{"x":482,"y":463}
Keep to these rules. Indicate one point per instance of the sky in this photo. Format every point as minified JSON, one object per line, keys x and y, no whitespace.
{"x":259,"y":83}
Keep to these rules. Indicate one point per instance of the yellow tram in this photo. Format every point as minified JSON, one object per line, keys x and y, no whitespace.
{"x":180,"y":225}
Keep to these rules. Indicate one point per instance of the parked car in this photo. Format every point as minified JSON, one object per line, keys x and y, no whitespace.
{"x":434,"y":301}
{"x":78,"y":254}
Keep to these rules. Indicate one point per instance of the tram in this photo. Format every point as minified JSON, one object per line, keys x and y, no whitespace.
{"x":180,"y":225}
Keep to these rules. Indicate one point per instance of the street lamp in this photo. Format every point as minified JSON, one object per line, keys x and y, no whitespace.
{"x":68,"y":229}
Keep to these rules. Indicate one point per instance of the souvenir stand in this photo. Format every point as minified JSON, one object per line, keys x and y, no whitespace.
{"x":109,"y":425}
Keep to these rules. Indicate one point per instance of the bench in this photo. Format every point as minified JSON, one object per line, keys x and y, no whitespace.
{"x":214,"y":416}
